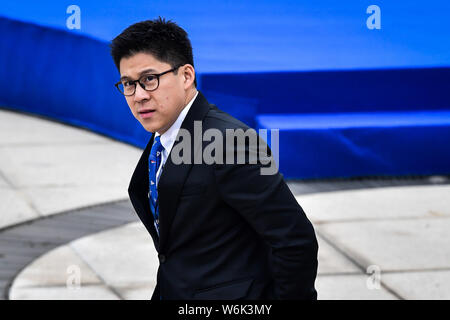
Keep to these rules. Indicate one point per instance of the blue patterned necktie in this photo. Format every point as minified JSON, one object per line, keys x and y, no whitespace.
{"x":153,"y":165}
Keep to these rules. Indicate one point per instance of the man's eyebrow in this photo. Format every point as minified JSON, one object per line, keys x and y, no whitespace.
{"x":140,"y":74}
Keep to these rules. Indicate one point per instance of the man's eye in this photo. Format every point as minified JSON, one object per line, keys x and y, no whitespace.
{"x":127,"y":84}
{"x":149,"y":78}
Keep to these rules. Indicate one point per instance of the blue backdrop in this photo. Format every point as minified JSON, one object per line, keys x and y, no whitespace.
{"x":312,"y":70}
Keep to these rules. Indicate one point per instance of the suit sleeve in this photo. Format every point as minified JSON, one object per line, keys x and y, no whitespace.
{"x":267,"y":204}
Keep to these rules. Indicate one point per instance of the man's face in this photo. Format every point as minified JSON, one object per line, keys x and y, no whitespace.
{"x":165,"y":103}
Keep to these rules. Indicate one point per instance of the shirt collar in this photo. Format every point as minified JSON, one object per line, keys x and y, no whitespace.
{"x":168,"y":137}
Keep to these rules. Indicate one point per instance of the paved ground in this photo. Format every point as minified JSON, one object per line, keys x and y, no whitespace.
{"x":47,"y":168}
{"x":60,"y":223}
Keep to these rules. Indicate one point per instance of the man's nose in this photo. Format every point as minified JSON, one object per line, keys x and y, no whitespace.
{"x":140,"y":94}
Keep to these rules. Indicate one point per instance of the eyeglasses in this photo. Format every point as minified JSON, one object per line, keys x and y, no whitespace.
{"x":148,"y":82}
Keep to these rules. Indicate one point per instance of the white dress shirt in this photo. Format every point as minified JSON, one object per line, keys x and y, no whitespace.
{"x":168,"y":138}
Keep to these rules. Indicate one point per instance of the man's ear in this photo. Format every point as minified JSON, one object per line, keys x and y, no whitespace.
{"x":188,"y":75}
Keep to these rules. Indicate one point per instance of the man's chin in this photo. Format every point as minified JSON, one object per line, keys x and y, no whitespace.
{"x":149,"y":128}
{"x":153,"y":128}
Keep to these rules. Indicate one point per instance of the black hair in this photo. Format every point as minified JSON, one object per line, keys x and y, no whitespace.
{"x":165,"y":40}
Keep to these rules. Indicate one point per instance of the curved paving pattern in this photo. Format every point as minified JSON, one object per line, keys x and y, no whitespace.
{"x":21,"y":244}
{"x":119,"y":263}
{"x":43,"y":235}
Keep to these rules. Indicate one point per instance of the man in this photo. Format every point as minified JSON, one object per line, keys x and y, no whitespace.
{"x":222,"y":230}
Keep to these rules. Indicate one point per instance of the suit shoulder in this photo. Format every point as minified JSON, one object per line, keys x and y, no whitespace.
{"x":219,"y":119}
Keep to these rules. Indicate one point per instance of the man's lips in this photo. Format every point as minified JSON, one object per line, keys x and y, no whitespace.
{"x":146,"y":113}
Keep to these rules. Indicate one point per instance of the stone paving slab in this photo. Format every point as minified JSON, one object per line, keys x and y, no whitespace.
{"x":58,"y":199}
{"x":349,"y":287}
{"x":26,"y":129}
{"x":302,"y":187}
{"x":333,"y":262}
{"x":14,"y":207}
{"x":48,"y":168}
{"x":378,"y":203}
{"x":423,"y":285}
{"x":3,"y":182}
{"x":82,"y":175}
{"x":138,"y":292}
{"x":54,"y":269}
{"x":69,"y":165}
{"x":402,"y":245}
{"x":125,"y":257}
{"x":92,"y":292}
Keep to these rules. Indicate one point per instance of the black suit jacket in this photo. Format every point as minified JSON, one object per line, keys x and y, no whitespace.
{"x":226,"y":231}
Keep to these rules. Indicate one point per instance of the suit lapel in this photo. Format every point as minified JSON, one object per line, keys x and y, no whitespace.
{"x":173,"y":176}
{"x":170,"y":183}
{"x":138,"y":192}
